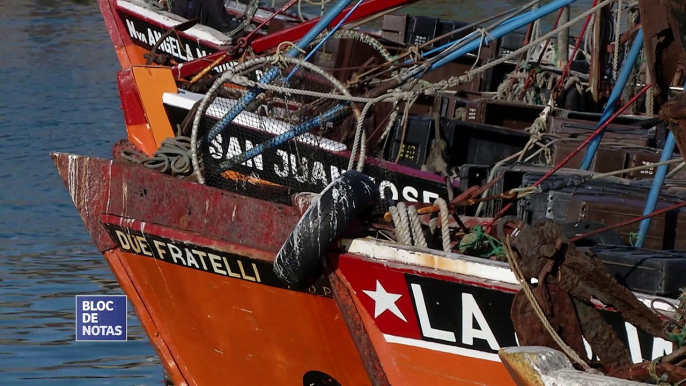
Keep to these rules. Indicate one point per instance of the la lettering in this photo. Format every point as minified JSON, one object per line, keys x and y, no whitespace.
{"x":101,"y":305}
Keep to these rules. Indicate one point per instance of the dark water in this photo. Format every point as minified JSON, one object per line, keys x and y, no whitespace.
{"x":58,"y":93}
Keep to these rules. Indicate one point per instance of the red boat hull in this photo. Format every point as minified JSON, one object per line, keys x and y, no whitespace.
{"x":219,"y":316}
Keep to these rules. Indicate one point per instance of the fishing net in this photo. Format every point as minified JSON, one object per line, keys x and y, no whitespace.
{"x":270,"y":139}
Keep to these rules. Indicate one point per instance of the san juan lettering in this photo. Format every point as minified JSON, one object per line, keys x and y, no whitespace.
{"x":286,"y":165}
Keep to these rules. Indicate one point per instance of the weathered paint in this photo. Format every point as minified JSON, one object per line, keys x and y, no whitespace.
{"x":412,"y":311}
{"x":405,"y":364}
{"x":137,"y":125}
{"x":475,"y":271}
{"x":151,"y":84}
{"x":127,"y":52}
{"x":210,"y":329}
{"x":114,"y":259}
{"x":664,"y":29}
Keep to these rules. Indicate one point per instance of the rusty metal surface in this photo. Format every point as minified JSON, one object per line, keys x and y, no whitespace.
{"x":172,"y":299}
{"x":358,"y":332}
{"x":561,"y":315}
{"x":544,"y":253}
{"x":602,"y":337}
{"x":640,"y":372}
{"x":674,"y":113}
{"x":100,"y":186}
{"x":664,"y":25}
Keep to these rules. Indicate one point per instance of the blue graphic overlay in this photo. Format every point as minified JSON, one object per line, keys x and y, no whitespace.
{"x":101,"y":318}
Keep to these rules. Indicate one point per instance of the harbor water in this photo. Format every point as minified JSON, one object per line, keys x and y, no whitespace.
{"x":58,"y":93}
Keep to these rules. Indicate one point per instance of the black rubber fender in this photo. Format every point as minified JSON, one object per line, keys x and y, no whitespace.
{"x":299,"y":262}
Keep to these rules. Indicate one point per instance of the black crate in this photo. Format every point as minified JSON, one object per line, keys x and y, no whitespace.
{"x":445,"y":26}
{"x":473,"y":143}
{"x":418,"y":136}
{"x":471,"y":175}
{"x":653,"y":272}
{"x":512,"y":41}
{"x":420,"y":29}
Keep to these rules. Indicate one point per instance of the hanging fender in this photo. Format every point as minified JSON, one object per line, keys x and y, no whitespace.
{"x":299,"y":261}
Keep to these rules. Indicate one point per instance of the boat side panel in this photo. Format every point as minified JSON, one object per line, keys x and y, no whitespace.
{"x":127,"y":53}
{"x":456,"y":318}
{"x":114,"y":259}
{"x":224,"y":330}
{"x":137,"y":126}
{"x":405,"y":363}
{"x":128,"y":190}
{"x":152,"y":83}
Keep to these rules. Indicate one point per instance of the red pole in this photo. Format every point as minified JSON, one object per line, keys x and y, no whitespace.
{"x":582,"y":145}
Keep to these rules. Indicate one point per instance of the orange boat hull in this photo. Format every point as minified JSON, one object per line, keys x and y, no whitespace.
{"x":218,"y":315}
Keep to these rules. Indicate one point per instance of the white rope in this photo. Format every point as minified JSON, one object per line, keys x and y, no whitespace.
{"x":587,"y":38}
{"x":676,"y":169}
{"x":417,"y":232}
{"x":361,"y":37}
{"x":528,"y":190}
{"x":445,"y":229}
{"x":469,"y":76}
{"x":360,"y":135}
{"x":244,"y":81}
{"x":391,"y":121}
{"x":618,"y":28}
{"x":236,"y":72}
{"x":363,"y":151}
{"x":402,"y":228}
{"x":482,"y":39}
{"x":537,"y":128}
{"x":650,"y":97}
{"x":535,"y":33}
{"x":432,"y":225}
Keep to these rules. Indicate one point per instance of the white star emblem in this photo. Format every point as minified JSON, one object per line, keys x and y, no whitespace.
{"x":384,"y":301}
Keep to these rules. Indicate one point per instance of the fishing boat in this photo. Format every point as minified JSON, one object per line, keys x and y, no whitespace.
{"x":280,"y":244}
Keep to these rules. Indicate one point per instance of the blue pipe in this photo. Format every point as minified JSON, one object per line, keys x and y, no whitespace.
{"x":339,"y":111}
{"x":447,"y":45}
{"x":504,"y":29}
{"x":610,"y":107}
{"x":327,"y":37}
{"x":658,"y":181}
{"x":274,"y":72}
{"x":655,"y":189}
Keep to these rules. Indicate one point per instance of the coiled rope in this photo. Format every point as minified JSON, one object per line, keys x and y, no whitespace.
{"x":173,"y":157}
{"x":236,"y":74}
